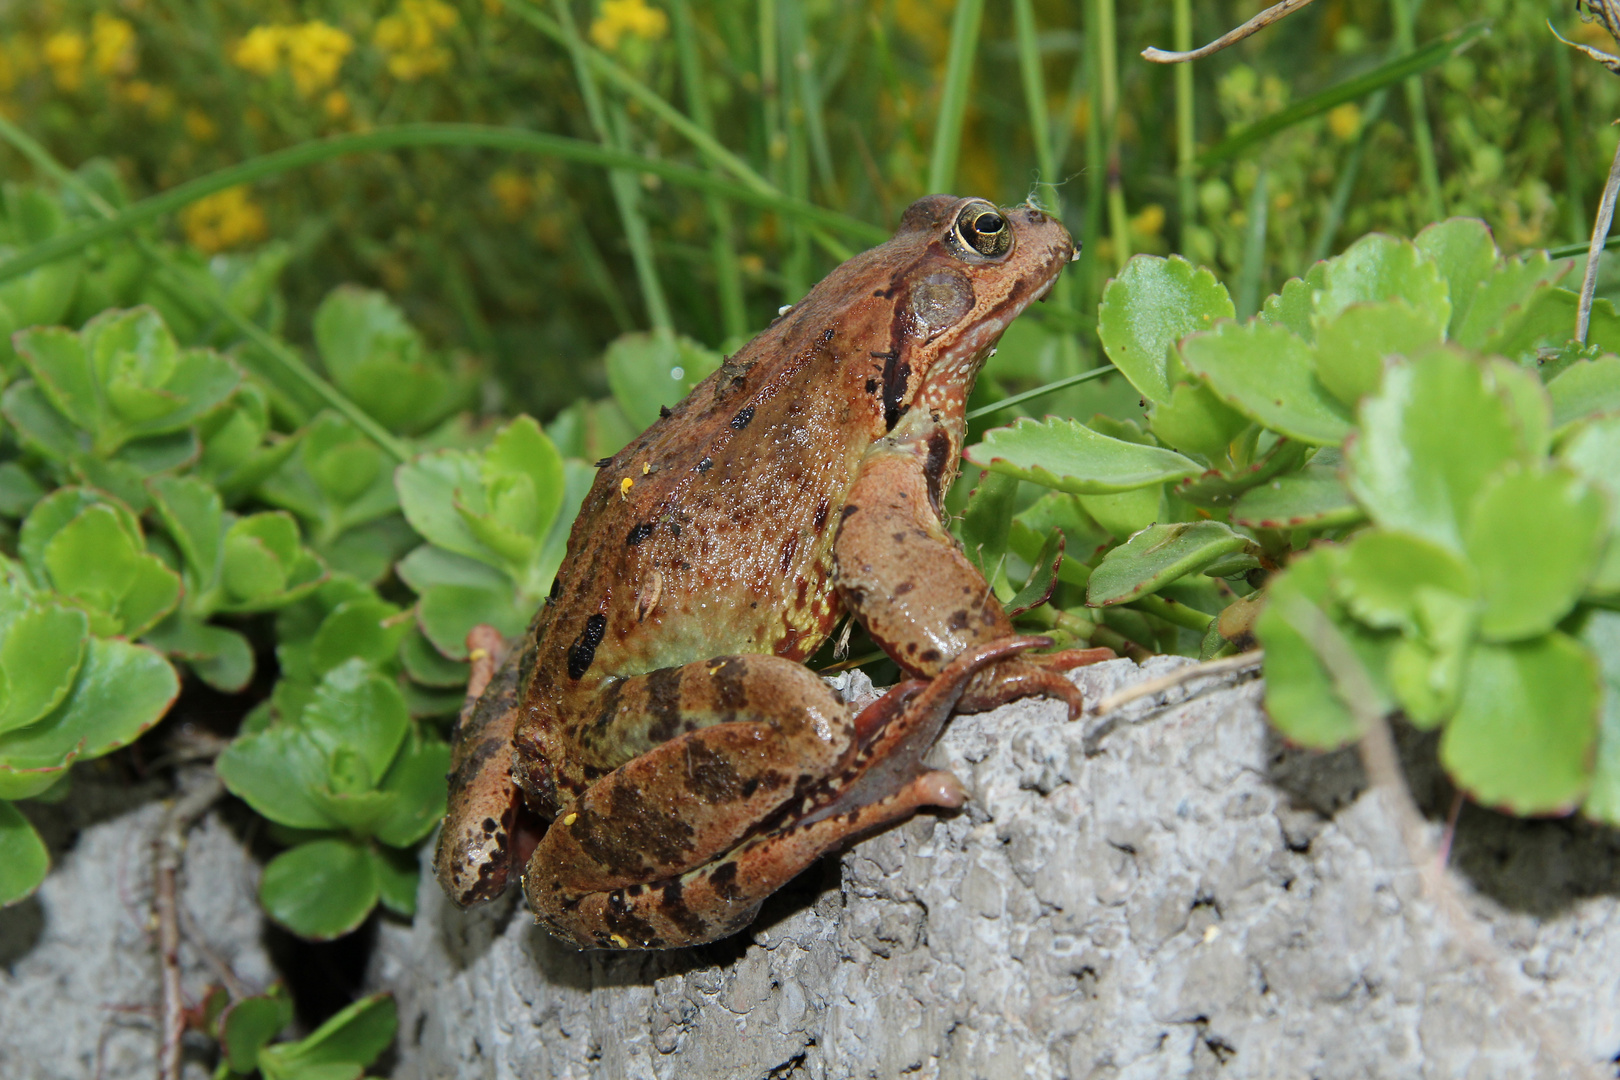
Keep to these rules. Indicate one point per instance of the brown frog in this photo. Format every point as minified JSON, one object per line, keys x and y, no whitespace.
{"x":658,"y":713}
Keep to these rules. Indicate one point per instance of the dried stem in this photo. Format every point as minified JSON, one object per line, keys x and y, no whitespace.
{"x":170,"y":845}
{"x":1382,"y":763}
{"x":1179,"y":677}
{"x":1231,"y":37}
{"x":1594,"y":250}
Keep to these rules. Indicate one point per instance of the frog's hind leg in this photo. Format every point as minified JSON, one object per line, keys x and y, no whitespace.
{"x":476,"y":852}
{"x":721,"y":816}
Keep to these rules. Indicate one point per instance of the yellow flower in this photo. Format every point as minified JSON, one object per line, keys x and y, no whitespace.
{"x":112,"y":42}
{"x":199,"y":127}
{"x":1344,"y":121}
{"x":259,"y":51}
{"x":621,"y":17}
{"x":1149,"y":222}
{"x":136,"y":92}
{"x":64,"y":52}
{"x":336,"y":105}
{"x":513,"y":191}
{"x":410,"y":38}
{"x":315,"y":52}
{"x":225,"y":219}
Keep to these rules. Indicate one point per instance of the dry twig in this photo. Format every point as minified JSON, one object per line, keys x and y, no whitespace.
{"x":170,"y":851}
{"x":1178,"y":677}
{"x":1231,"y":37}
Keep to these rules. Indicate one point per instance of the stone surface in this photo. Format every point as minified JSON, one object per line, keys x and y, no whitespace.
{"x":79,"y":985}
{"x":1170,"y":895}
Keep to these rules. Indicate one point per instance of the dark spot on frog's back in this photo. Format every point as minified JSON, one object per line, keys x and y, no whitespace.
{"x":583,"y":651}
{"x":705,"y":465}
{"x":672,"y":905}
{"x":639,"y":533}
{"x":741,"y":420}
{"x":724,"y":882}
{"x":664,"y":413}
{"x":939,"y":453}
{"x":710,"y":775}
{"x":827,"y":335}
{"x":664,"y":702}
{"x":820,"y":520}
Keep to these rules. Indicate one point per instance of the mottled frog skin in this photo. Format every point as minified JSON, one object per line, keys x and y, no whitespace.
{"x":658,"y":713}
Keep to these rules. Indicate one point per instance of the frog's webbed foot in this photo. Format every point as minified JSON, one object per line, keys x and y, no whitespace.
{"x":474,"y":858}
{"x":1042,"y":674}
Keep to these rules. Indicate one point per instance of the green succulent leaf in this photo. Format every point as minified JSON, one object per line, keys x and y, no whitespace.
{"x":1294,"y":305}
{"x":1159,"y":555}
{"x":121,"y":690}
{"x":1268,"y":373}
{"x":1585,"y":388}
{"x":40,"y":653}
{"x":427,"y":665}
{"x":1195,"y":421}
{"x":1594,"y":453}
{"x":398,"y":875}
{"x":357,"y":711}
{"x":265,"y":565}
{"x":416,"y":782}
{"x":987,"y":520}
{"x":1068,"y":456}
{"x":320,"y":890}
{"x":1535,"y":537}
{"x":1313,"y":498}
{"x":1505,"y":299}
{"x":369,"y":629}
{"x":377,"y":358}
{"x":1465,"y":255}
{"x":1352,"y":346}
{"x":1378,"y":268}
{"x":220,"y":656}
{"x":38,"y":425}
{"x":277,"y":771}
{"x":1524,"y":730}
{"x":19,"y":491}
{"x":1381,"y":576}
{"x":649,"y":371}
{"x":447,"y":612}
{"x":1601,"y":635}
{"x":1152,"y":305}
{"x":1128,"y":512}
{"x":194,"y":516}
{"x":355,"y":1036}
{"x":1429,"y":441}
{"x":247,"y":1026}
{"x":92,"y":562}
{"x":1302,"y":697}
{"x":23,"y":858}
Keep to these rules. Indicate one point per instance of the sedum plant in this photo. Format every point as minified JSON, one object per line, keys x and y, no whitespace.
{"x":1404,"y":439}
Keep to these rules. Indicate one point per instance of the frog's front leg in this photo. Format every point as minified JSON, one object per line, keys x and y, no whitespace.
{"x":903,"y":575}
{"x":748,"y":768}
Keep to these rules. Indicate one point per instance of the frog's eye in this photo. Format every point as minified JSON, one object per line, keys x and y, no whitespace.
{"x":981,"y":228}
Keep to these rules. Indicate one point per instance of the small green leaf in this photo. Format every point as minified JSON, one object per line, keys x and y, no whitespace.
{"x":1594,"y":453}
{"x":1043,"y":577}
{"x":1377,"y":268}
{"x":1068,"y":456}
{"x":1465,"y":255}
{"x":1217,"y":490}
{"x":277,"y":772}
{"x":1524,"y":730}
{"x":1313,"y":498}
{"x":19,"y":491}
{"x":987,"y":519}
{"x":355,"y":1036}
{"x":1269,"y":374}
{"x":647,"y":371}
{"x":1381,"y":573}
{"x":57,"y":360}
{"x":1352,"y":346}
{"x":221,"y":657}
{"x":370,"y":629}
{"x":398,"y":874}
{"x":1151,"y":306}
{"x":121,"y":690}
{"x":194,"y":516}
{"x":1601,"y":635}
{"x":416,"y":779}
{"x":320,"y":890}
{"x":427,"y":566}
{"x":1195,"y":421}
{"x":1302,"y":698}
{"x":430,"y":487}
{"x":1528,"y":406}
{"x":1585,"y":388}
{"x":39,"y":658}
{"x":447,"y":612}
{"x":1159,"y":555}
{"x":521,"y":451}
{"x":23,"y":858}
{"x":247,"y":1026}
{"x":358,"y":710}
{"x":1429,"y":441}
{"x":1534,"y":537}
{"x":1505,"y":298}
{"x":427,"y":665}
{"x":1128,"y":512}
{"x":1294,"y":306}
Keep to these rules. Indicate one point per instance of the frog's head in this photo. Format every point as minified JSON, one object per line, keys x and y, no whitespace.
{"x":966,"y":270}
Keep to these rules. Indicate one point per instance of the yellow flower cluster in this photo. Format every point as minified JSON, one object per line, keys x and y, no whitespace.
{"x":225,"y":219}
{"x":313,"y":52}
{"x":64,"y":52}
{"x":410,"y":38}
{"x":513,"y":192}
{"x":633,"y":17}
{"x":112,"y":45}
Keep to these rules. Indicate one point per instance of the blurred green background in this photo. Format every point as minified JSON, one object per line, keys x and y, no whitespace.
{"x":532,"y":265}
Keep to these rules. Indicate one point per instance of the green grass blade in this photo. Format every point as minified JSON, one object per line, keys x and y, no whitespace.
{"x":1040,"y":125}
{"x":405,"y":136}
{"x":1436,"y":52}
{"x":953,"y":97}
{"x":1345,"y":185}
{"x":1405,"y":15}
{"x":1039,"y":391}
{"x":1253,"y":269}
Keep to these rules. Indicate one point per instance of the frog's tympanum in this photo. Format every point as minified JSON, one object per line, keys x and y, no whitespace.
{"x":658,"y":713}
